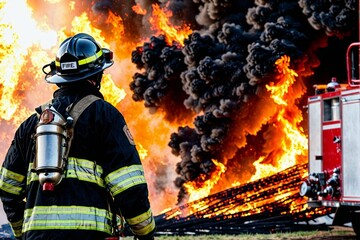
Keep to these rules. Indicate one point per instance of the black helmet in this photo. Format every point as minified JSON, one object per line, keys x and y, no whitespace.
{"x":78,"y":58}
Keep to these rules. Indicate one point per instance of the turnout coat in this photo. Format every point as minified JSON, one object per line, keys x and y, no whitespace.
{"x":103,"y":176}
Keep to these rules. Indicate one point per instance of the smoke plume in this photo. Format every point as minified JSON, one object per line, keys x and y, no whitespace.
{"x":218,"y":75}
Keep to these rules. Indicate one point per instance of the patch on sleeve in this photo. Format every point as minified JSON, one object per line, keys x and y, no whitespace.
{"x":128,"y":135}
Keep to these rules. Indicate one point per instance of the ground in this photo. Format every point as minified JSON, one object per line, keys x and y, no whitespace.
{"x":335,"y":233}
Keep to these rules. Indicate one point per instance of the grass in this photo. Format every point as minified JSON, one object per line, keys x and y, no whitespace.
{"x":338,"y":232}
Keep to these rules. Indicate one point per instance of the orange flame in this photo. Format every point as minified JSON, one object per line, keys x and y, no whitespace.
{"x":286,"y":79}
{"x":263,"y":195}
{"x":160,"y":23}
{"x":117,"y":23}
{"x":138,"y":9}
{"x":71,"y":5}
{"x":15,"y":47}
{"x":142,"y":151}
{"x":196,"y":192}
{"x":293,"y":144}
{"x":112,"y":93}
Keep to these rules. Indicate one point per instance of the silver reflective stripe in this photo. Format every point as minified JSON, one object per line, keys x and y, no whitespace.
{"x":11,"y":182}
{"x":67,"y":218}
{"x":142,"y":224}
{"x":140,"y":218}
{"x":81,"y":169}
{"x":84,"y":170}
{"x":125,"y":178}
{"x":144,"y":227}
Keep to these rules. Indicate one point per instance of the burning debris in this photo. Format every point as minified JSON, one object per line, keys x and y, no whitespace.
{"x":268,"y":205}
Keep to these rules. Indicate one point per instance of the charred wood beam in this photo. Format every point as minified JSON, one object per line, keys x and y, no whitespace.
{"x":268,"y":205}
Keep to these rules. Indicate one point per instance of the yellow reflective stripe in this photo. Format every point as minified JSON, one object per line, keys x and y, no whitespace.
{"x":85,"y":60}
{"x":140,"y":218}
{"x":67,"y":217}
{"x":12,"y":175}
{"x":90,"y":59}
{"x":11,"y":182}
{"x":10,"y":188}
{"x":144,"y":230}
{"x":31,"y":176}
{"x":142,"y":224}
{"x":123,"y":171}
{"x":131,"y":182}
{"x":125,"y":178}
{"x":17,"y":228}
{"x":84,"y":170}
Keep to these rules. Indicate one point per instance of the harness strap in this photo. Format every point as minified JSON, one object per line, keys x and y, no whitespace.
{"x":77,"y":109}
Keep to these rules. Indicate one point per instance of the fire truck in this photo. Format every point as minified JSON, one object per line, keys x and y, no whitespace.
{"x":334,"y":145}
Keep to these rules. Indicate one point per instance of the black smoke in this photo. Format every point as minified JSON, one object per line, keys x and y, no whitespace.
{"x":219,"y":73}
{"x":160,"y":85}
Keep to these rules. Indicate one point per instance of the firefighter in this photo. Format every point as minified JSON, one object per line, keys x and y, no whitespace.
{"x":102,"y":177}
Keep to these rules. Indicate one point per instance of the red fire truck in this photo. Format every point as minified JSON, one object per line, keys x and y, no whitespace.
{"x":334,"y":146}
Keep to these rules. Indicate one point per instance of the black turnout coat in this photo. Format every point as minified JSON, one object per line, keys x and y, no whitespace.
{"x":103,"y":175}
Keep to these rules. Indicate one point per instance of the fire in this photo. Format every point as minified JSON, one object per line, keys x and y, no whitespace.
{"x":160,"y":22}
{"x":196,"y":192}
{"x":117,"y":23}
{"x":112,"y":93}
{"x":16,"y":46}
{"x":71,"y":5}
{"x":83,"y":24}
{"x":293,"y":143}
{"x":138,"y":9}
{"x":276,"y":193}
{"x":142,"y":151}
{"x":286,"y":78}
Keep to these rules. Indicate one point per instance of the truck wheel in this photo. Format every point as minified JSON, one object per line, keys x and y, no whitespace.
{"x":355,"y":221}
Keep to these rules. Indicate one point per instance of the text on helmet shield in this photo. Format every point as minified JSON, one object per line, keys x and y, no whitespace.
{"x":68,"y":65}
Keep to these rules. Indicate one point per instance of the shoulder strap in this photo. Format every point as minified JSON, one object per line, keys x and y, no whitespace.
{"x":75,"y":111}
{"x":80,"y":106}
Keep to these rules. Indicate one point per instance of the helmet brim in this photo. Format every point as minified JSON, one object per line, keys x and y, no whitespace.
{"x":57,"y":78}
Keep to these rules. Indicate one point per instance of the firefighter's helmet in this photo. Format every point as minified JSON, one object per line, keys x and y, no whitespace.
{"x":78,"y":58}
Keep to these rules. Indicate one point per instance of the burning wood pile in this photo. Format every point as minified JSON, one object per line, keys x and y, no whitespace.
{"x":270,"y":204}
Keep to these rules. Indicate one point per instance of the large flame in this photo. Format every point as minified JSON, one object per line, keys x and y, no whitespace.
{"x":15,"y":48}
{"x":160,"y":21}
{"x":292,"y":146}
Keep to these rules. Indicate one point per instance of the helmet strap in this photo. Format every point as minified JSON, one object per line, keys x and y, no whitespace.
{"x":97,"y":79}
